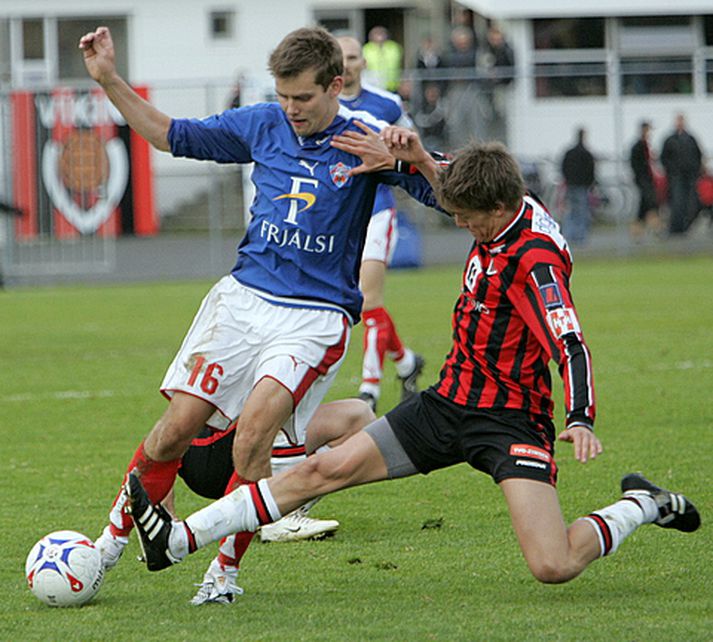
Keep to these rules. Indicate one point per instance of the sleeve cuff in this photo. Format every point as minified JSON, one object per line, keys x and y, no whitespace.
{"x":583,"y":424}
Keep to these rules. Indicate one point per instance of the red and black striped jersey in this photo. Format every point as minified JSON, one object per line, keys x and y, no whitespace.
{"x":514,"y":314}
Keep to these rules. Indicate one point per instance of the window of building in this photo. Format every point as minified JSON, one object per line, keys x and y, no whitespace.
{"x":708,"y":42}
{"x":33,"y":39}
{"x":570,"y":57}
{"x":5,"y":51}
{"x":656,"y":54}
{"x":569,"y":33}
{"x":222,"y":24}
{"x":70,"y":30}
{"x":656,"y":75}
{"x":570,"y":79}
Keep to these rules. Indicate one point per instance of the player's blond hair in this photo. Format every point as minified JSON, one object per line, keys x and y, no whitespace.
{"x":308,"y":48}
{"x":482,"y":177}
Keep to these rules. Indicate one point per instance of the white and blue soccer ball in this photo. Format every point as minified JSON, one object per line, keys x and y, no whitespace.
{"x":64,"y":569}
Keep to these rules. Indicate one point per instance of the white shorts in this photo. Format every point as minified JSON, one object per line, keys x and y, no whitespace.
{"x":381,"y":236}
{"x":237,"y":338}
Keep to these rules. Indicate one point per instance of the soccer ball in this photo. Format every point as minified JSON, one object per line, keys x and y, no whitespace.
{"x":64,"y":569}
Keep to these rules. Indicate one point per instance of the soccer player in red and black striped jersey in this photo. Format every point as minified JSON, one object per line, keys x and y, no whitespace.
{"x":492,"y":405}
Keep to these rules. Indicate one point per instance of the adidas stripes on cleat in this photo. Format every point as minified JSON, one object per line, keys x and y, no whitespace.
{"x":675,"y":511}
{"x":153,"y":524}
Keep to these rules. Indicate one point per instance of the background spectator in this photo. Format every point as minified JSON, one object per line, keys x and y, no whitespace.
{"x":500,"y":58}
{"x":430,"y":118}
{"x":641,"y":161}
{"x":681,"y":158}
{"x":465,"y":121}
{"x":384,"y":58}
{"x":498,"y":63}
{"x":578,"y":174}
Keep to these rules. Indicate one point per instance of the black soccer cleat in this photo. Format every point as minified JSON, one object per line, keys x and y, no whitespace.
{"x":409,"y":383}
{"x":675,"y":511}
{"x":153,"y":524}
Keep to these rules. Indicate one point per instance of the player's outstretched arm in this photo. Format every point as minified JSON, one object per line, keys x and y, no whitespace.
{"x":142,"y":117}
{"x":585,"y":442}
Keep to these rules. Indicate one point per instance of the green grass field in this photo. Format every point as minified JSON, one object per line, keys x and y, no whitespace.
{"x":79,"y":372}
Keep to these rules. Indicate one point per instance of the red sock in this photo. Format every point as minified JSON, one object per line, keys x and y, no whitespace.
{"x":157,"y":478}
{"x":380,"y":337}
{"x":233,"y":547}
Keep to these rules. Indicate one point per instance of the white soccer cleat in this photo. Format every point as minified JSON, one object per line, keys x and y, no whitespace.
{"x":297,"y":526}
{"x":110,"y":548}
{"x":218,"y":586}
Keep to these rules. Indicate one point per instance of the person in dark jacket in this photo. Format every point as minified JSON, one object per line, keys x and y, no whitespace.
{"x":681,"y":158}
{"x":641,"y":161}
{"x":578,"y":173}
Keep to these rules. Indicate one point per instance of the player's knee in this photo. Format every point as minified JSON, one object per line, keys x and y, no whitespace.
{"x":324,"y":474}
{"x":362,"y":415}
{"x":552,"y":571}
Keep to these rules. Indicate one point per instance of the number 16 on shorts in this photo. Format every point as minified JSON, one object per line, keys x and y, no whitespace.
{"x":205,"y":376}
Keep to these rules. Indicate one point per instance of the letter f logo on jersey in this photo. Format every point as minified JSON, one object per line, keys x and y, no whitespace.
{"x":297,"y":196}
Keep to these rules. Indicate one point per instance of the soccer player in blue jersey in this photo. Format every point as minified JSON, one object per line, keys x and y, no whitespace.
{"x":380,"y":336}
{"x":269,"y":337}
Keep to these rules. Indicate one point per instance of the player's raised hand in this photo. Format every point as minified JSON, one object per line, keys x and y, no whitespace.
{"x":368,"y":146}
{"x":586,"y":444}
{"x":98,"y":49}
{"x":404,"y":144}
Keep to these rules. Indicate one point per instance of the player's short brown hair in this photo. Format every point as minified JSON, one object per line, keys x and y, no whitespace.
{"x":482,"y":177}
{"x":308,"y":48}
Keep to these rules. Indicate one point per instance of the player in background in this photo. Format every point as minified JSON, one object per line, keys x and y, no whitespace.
{"x":270,"y":336}
{"x":492,"y":405}
{"x":381,"y":339}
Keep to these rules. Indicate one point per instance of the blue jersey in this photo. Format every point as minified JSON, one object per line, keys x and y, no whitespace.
{"x":387,"y":107}
{"x":309,"y":219}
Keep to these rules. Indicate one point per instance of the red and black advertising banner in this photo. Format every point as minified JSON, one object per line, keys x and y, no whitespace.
{"x":78,"y":169}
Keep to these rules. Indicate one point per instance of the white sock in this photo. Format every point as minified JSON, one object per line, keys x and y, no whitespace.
{"x":646,"y":503}
{"x":178,"y":541}
{"x":405,"y":365}
{"x":374,"y":389}
{"x":233,"y":513}
{"x":615,"y":523}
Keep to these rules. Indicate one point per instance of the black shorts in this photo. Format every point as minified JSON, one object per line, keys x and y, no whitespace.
{"x":436,"y":433}
{"x":208,"y":463}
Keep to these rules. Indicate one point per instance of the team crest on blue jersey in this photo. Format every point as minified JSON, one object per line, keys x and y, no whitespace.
{"x":551,"y":296}
{"x":339,"y":174}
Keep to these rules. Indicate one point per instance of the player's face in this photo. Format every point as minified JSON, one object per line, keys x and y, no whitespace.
{"x":483,"y":225}
{"x":354,"y":63}
{"x":309,"y":107}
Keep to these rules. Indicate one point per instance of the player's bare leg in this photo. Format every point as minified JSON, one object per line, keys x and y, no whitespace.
{"x":266,"y":410}
{"x":332,"y":424}
{"x":166,"y":542}
{"x":156,"y":460}
{"x":555,"y":553}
